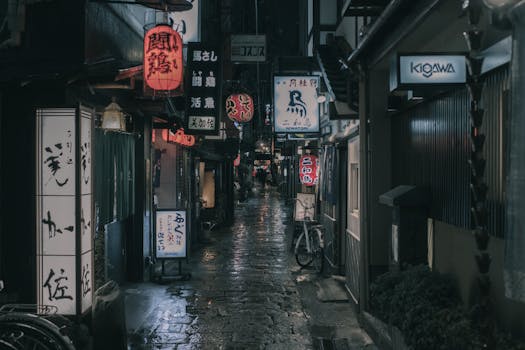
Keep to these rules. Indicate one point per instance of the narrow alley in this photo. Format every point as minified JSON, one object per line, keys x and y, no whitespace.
{"x":246,"y":292}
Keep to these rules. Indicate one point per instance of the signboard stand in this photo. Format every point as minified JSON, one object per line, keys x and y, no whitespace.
{"x":171,"y":242}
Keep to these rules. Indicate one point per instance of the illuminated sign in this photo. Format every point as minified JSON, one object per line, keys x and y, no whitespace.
{"x":162,"y":60}
{"x":425,"y":70}
{"x":296,"y":109}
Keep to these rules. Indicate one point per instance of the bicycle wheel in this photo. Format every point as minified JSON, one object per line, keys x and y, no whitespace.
{"x":317,"y":249}
{"x":28,"y":331}
{"x":302,"y":256}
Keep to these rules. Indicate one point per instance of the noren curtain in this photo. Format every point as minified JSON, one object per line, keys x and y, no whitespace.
{"x":114,"y":169}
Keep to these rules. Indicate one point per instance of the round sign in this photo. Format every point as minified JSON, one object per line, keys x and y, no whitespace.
{"x":239,"y":108}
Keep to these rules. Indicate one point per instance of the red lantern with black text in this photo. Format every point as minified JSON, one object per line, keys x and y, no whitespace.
{"x":308,"y":165}
{"x":239,"y":107}
{"x":162,"y":58}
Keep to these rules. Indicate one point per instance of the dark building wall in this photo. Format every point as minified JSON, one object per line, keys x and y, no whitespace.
{"x":431,"y":147}
{"x":379,"y":170}
{"x":17,"y":186}
{"x":454,"y":250}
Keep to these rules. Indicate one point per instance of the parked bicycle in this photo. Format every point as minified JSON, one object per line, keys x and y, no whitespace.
{"x":309,"y":245}
{"x":27,"y":327}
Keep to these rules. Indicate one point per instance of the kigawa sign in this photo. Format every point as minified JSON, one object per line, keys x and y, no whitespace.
{"x":296,"y":109}
{"x":424,"y":70}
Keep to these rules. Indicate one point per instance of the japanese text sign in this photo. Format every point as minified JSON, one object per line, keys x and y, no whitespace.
{"x":170,"y":233}
{"x":162,"y":60}
{"x":202,"y":92}
{"x":308,"y":169}
{"x":64,"y":251}
{"x":296,"y":109}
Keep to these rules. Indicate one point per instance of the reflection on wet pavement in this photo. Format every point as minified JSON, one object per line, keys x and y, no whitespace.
{"x":241,"y":294}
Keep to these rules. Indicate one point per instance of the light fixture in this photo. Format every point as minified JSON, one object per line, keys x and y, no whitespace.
{"x":113,"y":117}
{"x":321,"y":98}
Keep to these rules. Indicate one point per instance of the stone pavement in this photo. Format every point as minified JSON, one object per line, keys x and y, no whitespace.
{"x":244,"y":293}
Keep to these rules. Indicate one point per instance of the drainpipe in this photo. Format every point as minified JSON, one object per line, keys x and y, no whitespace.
{"x":514,"y":267}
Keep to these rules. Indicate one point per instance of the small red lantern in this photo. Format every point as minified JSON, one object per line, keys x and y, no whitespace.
{"x":308,"y":165}
{"x":162,"y":58}
{"x":239,"y":107}
{"x":237,"y":160}
{"x":178,"y":137}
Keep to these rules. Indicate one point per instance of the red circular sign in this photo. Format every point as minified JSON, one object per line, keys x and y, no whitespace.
{"x":308,"y":165}
{"x":239,"y":108}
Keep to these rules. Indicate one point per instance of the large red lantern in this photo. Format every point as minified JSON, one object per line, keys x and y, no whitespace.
{"x":239,"y":107}
{"x":308,"y":165}
{"x":162,"y":58}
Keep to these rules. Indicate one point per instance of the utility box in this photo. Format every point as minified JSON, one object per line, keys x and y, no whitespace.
{"x":408,"y":243}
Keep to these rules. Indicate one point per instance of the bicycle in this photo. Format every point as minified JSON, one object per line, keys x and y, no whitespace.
{"x":309,"y":247}
{"x":20,"y":328}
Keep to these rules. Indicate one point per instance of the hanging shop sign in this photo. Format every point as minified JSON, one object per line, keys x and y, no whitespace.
{"x":170,"y":233}
{"x":296,"y":109}
{"x":202,"y":96}
{"x":163,"y":65}
{"x":239,"y":107}
{"x":308,"y":169}
{"x":409,"y":71}
{"x":64,"y":210}
{"x":187,"y":23}
{"x":178,"y":137}
{"x":248,"y":48}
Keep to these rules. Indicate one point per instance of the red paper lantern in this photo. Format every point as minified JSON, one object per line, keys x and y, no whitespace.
{"x":178,"y":137}
{"x":239,"y":107}
{"x":308,"y":165}
{"x":162,"y":58}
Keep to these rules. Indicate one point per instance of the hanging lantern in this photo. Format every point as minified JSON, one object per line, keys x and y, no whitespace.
{"x":308,"y":170}
{"x":113,"y":117}
{"x":162,"y":58}
{"x":239,"y":107}
{"x":178,"y":137}
{"x":237,"y":160}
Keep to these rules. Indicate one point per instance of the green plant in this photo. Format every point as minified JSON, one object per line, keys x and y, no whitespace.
{"x":426,"y":308}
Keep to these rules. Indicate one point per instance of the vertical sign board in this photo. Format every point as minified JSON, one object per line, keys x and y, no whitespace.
{"x":170,"y":233}
{"x":202,"y":98}
{"x":63,"y":189}
{"x":296,"y":108}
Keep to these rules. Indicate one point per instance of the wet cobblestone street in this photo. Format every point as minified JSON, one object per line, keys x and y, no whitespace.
{"x":242,"y":294}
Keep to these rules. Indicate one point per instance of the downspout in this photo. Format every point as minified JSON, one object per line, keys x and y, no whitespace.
{"x":514,"y":266}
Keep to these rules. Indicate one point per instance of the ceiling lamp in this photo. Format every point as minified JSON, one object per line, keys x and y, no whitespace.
{"x":167,"y":5}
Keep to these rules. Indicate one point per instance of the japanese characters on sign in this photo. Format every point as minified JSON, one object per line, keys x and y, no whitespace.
{"x":202,"y":97}
{"x":170,"y":234}
{"x":239,"y":108}
{"x":62,"y":163}
{"x":296,"y":108}
{"x":162,"y":60}
{"x":308,"y":169}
